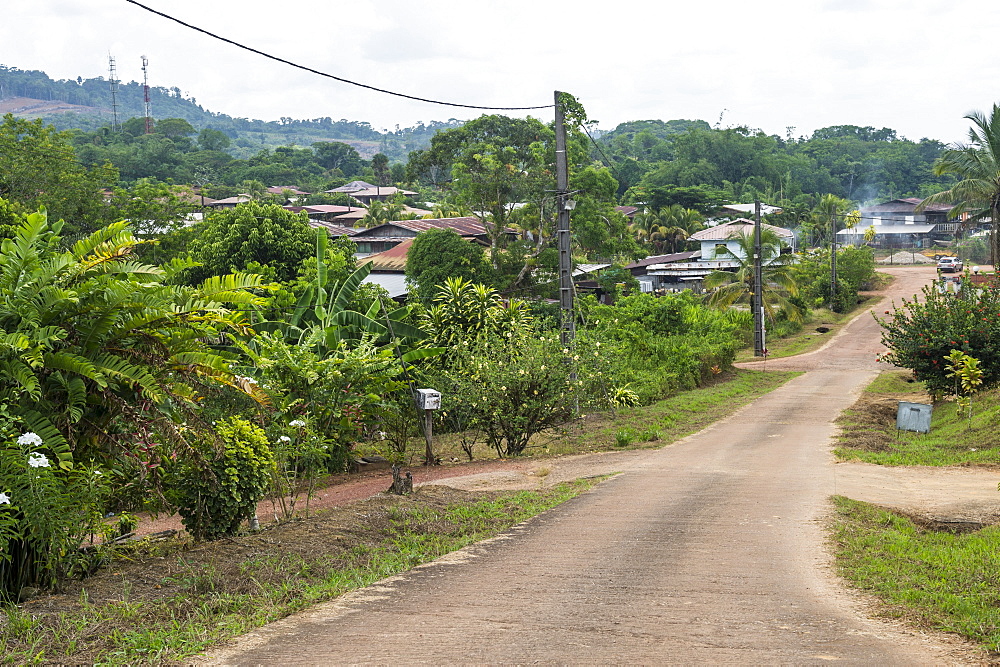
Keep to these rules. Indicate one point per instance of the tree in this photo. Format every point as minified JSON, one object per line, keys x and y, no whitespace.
{"x":340,"y":156}
{"x":439,"y":254}
{"x":728,"y":288}
{"x":380,"y":165}
{"x":213,"y":140}
{"x":174,"y":128}
{"x":38,"y":167}
{"x":253,"y":232}
{"x":977,"y":166}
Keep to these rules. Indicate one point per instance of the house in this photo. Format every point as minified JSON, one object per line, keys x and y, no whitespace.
{"x":382,"y":237}
{"x":325,"y":212}
{"x":389,"y":269}
{"x":353,"y":186}
{"x":228,"y":202}
{"x":657,"y":281}
{"x":747,"y":209}
{"x":726,"y":236}
{"x":332,"y":229}
{"x":292,"y":195}
{"x":381,"y":193}
{"x":898,"y":224}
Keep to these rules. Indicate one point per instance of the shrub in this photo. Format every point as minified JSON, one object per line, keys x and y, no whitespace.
{"x":922,"y":332}
{"x":511,"y":392}
{"x":216,"y":494}
{"x":46,"y":512}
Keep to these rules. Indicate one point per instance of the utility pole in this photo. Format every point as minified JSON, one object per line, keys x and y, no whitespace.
{"x":568,"y":330}
{"x":759,"y":349}
{"x":833,"y":259}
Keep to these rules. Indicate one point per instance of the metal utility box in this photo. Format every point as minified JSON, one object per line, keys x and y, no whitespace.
{"x":914,"y":417}
{"x":428,"y":399}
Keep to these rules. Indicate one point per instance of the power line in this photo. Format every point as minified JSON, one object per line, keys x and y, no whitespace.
{"x":327,"y":75}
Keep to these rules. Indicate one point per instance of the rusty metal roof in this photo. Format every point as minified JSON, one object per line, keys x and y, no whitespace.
{"x":393,"y":259}
{"x":662,"y":259}
{"x":465,"y":226}
{"x":334,"y":230}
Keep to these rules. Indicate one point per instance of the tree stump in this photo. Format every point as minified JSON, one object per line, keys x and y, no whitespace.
{"x":400,"y":485}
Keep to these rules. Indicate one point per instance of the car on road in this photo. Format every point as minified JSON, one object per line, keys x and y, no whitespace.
{"x":949,"y":265}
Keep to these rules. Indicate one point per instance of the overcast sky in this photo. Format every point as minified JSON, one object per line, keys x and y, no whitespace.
{"x":917,"y":66}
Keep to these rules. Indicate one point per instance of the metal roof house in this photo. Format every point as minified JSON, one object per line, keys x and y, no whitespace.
{"x":382,"y":237}
{"x":726,"y":235}
{"x":898,"y":224}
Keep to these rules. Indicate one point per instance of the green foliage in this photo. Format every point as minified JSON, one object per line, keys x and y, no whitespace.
{"x":37,"y":168}
{"x":921,"y":333}
{"x":464,"y":312}
{"x":438,"y":254}
{"x":737,"y":286}
{"x":91,"y":337}
{"x":655,"y":346}
{"x":46,"y":512}
{"x":511,"y":392}
{"x":855,"y":272}
{"x":232,"y":239}
{"x":215,"y":494}
{"x":968,"y":378}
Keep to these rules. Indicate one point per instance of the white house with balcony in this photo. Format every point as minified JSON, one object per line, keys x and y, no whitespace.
{"x":726,"y":236}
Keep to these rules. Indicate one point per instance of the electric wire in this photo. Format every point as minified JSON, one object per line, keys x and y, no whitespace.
{"x":326,"y":74}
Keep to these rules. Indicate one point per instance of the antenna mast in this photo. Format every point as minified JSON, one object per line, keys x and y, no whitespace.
{"x":145,"y":95}
{"x":113,"y":76}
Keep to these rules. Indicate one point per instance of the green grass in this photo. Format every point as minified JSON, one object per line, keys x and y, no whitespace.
{"x":870,"y":435}
{"x":210,"y":607}
{"x":668,"y":420}
{"x":937,"y":579}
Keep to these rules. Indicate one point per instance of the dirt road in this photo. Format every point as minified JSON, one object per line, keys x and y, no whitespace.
{"x":707,"y":551}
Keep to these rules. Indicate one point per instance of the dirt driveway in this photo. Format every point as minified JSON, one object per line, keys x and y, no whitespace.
{"x":707,"y":551}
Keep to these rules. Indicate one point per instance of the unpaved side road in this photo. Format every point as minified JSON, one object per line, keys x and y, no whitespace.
{"x":708,"y":551}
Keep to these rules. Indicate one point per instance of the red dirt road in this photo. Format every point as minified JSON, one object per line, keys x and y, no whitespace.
{"x":707,"y":551}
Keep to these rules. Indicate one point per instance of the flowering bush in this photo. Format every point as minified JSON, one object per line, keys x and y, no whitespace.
{"x":920,"y":333}
{"x":46,"y":513}
{"x":510,"y":392}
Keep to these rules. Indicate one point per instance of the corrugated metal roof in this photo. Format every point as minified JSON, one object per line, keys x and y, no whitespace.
{"x":332,"y":229}
{"x":765,"y":209}
{"x":906,"y":205}
{"x":394,"y":283}
{"x":393,"y":259}
{"x":466,"y":226}
{"x":583,"y":269}
{"x":736,"y":228}
{"x":353,"y":186}
{"x":280,"y":189}
{"x":662,"y":259}
{"x":381,"y":191}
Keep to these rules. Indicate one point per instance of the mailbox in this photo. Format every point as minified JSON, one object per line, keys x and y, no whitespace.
{"x":428,"y":399}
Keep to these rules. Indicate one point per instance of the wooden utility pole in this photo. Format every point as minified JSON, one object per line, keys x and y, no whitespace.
{"x":758,"y":289}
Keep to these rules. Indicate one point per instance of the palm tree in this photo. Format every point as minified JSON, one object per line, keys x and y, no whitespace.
{"x":977,"y":165}
{"x":732,"y":287}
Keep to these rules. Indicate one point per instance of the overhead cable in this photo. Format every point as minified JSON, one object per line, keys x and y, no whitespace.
{"x":327,"y":75}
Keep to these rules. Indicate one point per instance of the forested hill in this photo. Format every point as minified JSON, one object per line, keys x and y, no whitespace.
{"x":248,"y":136}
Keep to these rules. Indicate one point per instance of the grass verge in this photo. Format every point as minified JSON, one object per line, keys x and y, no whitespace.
{"x":868,"y":428}
{"x":171,"y":607}
{"x":945,"y":581}
{"x":665,"y":421}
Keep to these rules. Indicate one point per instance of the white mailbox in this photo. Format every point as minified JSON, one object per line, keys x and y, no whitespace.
{"x":428,"y":399}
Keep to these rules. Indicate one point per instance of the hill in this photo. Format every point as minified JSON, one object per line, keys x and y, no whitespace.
{"x":85,"y":104}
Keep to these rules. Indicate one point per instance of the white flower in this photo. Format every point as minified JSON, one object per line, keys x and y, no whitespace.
{"x":4,"y":499}
{"x":284,"y":438}
{"x":30,"y":438}
{"x":296,"y":423}
{"x":36,"y":460}
{"x":98,"y":473}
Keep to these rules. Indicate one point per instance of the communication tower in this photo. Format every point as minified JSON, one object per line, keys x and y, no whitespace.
{"x":145,"y":96}
{"x":113,"y":77}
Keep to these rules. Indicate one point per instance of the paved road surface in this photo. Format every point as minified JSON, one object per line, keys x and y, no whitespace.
{"x":707,"y":551}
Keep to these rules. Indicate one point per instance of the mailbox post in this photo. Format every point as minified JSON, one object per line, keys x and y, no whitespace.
{"x":428,"y":400}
